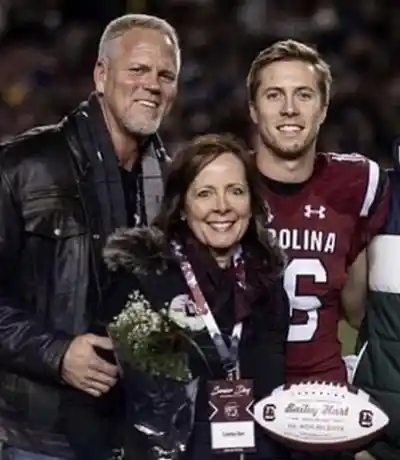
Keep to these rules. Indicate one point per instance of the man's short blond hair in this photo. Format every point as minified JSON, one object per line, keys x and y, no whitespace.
{"x":290,"y":50}
{"x":119,"y":26}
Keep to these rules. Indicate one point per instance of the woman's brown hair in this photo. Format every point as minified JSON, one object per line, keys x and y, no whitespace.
{"x":183,"y":169}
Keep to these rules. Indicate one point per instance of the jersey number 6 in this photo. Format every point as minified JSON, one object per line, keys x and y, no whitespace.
{"x":309,"y":304}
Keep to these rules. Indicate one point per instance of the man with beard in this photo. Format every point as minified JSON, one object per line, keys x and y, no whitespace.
{"x":325,"y":207}
{"x":63,"y":190}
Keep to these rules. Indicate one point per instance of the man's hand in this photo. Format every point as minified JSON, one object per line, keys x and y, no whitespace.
{"x":364,"y":455}
{"x":83,"y":369}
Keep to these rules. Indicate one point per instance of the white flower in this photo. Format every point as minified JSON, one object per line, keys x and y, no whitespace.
{"x":137,"y":316}
{"x":141,"y":334}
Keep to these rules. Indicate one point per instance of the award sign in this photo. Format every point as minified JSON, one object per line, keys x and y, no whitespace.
{"x":320,"y":416}
{"x":231,"y":419}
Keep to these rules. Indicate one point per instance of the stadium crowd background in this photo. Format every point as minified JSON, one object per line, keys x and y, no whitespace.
{"x":48,"y":48}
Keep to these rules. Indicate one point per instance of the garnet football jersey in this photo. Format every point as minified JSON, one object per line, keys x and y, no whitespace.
{"x":322,"y":226}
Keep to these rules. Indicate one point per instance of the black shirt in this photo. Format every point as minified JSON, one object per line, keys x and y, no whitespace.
{"x":284,"y":188}
{"x":130,"y":184}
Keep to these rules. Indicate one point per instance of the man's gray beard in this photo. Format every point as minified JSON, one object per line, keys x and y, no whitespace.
{"x":142,"y":129}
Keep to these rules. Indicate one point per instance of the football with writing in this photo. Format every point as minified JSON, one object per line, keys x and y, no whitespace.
{"x":318,"y":416}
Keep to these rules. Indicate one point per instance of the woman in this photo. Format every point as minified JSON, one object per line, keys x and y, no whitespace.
{"x":213,"y":217}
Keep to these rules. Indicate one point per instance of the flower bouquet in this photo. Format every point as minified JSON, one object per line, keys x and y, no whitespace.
{"x":160,"y":391}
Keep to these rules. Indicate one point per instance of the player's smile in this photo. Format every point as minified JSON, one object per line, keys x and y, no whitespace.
{"x":290,"y":130}
{"x":288,"y":108}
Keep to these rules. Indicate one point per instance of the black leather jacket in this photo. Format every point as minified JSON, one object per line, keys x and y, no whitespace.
{"x":50,"y":240}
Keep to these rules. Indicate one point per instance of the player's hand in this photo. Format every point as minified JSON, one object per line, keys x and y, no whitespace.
{"x":83,"y":369}
{"x":364,"y":455}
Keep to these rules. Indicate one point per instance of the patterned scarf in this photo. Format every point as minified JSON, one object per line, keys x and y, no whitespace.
{"x":224,"y":292}
{"x":106,"y":177}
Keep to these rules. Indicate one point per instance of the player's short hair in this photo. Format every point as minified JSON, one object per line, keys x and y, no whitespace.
{"x":119,"y":26}
{"x":290,"y":50}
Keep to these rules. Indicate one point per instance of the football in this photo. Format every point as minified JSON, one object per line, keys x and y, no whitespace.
{"x":319,"y":416}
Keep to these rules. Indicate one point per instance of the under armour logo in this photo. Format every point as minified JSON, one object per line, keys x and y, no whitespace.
{"x":309,"y":211}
